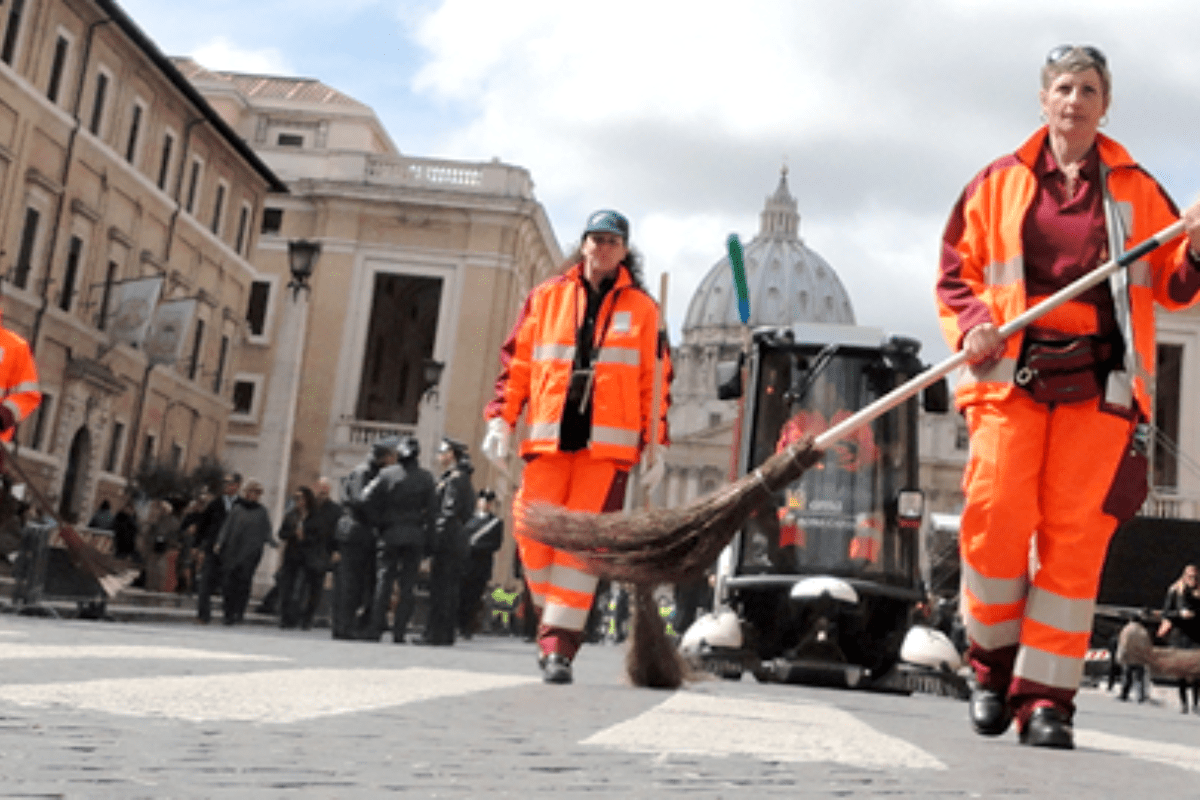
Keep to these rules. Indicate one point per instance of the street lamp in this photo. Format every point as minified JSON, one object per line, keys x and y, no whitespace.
{"x":302,"y":258}
{"x":431,"y":376}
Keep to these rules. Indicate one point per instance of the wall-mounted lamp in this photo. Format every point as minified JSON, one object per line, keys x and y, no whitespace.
{"x":302,"y":260}
{"x":431,"y":376}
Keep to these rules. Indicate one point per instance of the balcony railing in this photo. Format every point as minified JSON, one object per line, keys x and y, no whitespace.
{"x":1171,"y":506}
{"x":361,"y":433}
{"x":348,"y":166}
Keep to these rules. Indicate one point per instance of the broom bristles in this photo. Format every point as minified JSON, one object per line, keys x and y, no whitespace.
{"x":112,"y":574}
{"x":666,"y":545}
{"x":1135,"y":647}
{"x":652,"y":660}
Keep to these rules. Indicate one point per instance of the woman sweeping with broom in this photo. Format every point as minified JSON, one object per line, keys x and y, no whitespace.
{"x":581,"y":361}
{"x":1052,"y":413}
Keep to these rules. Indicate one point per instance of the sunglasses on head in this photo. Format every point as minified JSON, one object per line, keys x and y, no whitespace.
{"x":1064,"y":50}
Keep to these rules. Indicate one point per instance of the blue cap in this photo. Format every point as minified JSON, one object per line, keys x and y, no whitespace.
{"x":607,"y":221}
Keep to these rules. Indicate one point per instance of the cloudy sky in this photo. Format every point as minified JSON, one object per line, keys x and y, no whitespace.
{"x":682,"y":113}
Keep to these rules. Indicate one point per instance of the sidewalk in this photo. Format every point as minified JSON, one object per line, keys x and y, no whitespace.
{"x":130,"y":605}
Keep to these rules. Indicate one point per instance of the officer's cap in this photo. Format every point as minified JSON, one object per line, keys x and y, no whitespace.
{"x":384,"y":445}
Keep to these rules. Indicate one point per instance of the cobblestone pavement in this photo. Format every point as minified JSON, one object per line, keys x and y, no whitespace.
{"x":104,"y":710}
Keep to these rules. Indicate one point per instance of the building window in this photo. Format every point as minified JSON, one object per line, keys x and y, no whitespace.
{"x":714,"y":419}
{"x":147,"y":451}
{"x":193,"y":186}
{"x":41,"y":422}
{"x":9,"y":47}
{"x":74,"y":251}
{"x":290,"y":140}
{"x":272,"y":220}
{"x":135,"y":128}
{"x":222,"y":355}
{"x":99,"y":98}
{"x":110,"y":277}
{"x":1168,"y":385}
{"x":239,"y":243}
{"x":256,"y":309}
{"x":114,"y":447}
{"x":29,"y":233}
{"x":243,"y":397}
{"x":164,"y":160}
{"x":176,"y":455}
{"x":962,"y":438}
{"x":197,"y":344}
{"x":61,"y":48}
{"x":218,"y":210}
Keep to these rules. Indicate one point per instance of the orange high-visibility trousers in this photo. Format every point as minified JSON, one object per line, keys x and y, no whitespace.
{"x":558,"y":581}
{"x":1046,"y":470}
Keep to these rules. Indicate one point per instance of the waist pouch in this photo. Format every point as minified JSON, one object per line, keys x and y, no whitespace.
{"x":1064,"y":370}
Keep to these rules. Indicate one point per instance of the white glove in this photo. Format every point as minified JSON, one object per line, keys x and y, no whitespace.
{"x":653,"y":474}
{"x":496,"y":440}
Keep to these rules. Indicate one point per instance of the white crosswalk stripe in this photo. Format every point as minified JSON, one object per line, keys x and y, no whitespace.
{"x":270,"y":696}
{"x":128,"y":652}
{"x":1175,"y":755}
{"x":689,"y":722}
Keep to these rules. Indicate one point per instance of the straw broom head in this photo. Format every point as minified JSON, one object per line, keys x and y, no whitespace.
{"x":666,"y":545}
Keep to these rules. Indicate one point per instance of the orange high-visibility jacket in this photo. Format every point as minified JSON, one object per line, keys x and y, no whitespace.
{"x":538,"y":358}
{"x":982,"y":275}
{"x":18,"y":379}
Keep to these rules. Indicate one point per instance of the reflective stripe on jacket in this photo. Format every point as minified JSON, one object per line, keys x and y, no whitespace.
{"x":982,"y":276}
{"x":18,"y":377}
{"x":538,"y":358}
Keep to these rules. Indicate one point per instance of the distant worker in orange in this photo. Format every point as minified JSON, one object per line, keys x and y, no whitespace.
{"x":1052,"y":412}
{"x":580,"y":360}
{"x":19,"y":383}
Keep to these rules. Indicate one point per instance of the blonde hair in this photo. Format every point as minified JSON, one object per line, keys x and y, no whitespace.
{"x":1077,"y":60}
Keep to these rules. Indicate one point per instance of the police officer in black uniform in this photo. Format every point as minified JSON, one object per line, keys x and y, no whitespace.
{"x":456,"y":502}
{"x":354,"y":571}
{"x":484,"y":533}
{"x":401,"y":504}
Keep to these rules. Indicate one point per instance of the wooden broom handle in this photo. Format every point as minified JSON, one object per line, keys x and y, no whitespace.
{"x":657,"y":390}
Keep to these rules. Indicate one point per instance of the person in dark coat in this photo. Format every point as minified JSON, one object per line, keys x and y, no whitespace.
{"x":291,"y":534}
{"x":354,"y":542}
{"x":401,"y":504}
{"x":125,"y":531}
{"x":320,"y":527}
{"x":103,"y":518}
{"x":1181,"y":627}
{"x":456,"y":498}
{"x":484,"y":533}
{"x":247,"y":528}
{"x":207,"y":531}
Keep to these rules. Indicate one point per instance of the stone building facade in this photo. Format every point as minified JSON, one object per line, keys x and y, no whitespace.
{"x":420,"y":260}
{"x":124,"y":199}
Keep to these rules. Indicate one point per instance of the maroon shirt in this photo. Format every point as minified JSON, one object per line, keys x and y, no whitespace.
{"x":1065,"y":236}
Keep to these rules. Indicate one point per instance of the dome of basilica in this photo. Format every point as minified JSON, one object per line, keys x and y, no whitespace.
{"x":788,"y":282}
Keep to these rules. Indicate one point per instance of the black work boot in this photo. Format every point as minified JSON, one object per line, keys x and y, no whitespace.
{"x":989,"y":712}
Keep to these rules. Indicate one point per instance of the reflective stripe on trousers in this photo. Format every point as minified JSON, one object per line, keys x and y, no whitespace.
{"x":559,"y":581}
{"x":1045,"y":470}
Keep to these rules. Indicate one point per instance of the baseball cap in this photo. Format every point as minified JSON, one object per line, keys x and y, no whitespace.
{"x":607,"y":221}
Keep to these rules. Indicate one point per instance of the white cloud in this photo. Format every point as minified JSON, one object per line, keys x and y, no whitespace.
{"x":220,"y":54}
{"x":681,"y":114}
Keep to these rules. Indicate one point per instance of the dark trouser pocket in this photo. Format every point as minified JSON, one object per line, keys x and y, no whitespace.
{"x":1131,"y":483}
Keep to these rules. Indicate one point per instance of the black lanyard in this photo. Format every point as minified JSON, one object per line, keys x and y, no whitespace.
{"x":586,"y":345}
